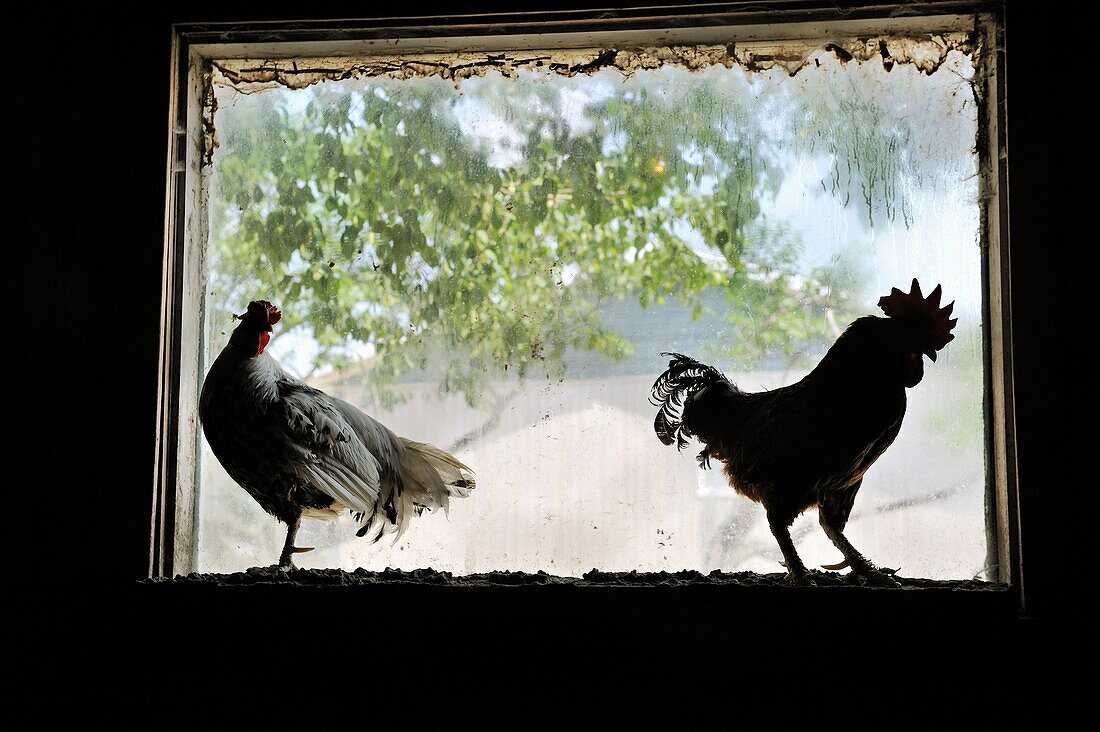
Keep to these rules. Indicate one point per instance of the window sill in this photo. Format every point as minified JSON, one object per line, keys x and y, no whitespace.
{"x":713,"y":596}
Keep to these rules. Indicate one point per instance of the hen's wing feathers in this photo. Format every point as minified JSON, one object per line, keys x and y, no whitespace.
{"x":343,"y":459}
{"x":359,"y":462}
{"x":383,"y":444}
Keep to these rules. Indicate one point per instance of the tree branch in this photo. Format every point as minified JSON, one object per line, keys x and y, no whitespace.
{"x":488,"y":425}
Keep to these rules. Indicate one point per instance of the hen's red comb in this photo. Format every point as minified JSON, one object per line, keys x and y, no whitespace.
{"x":933,"y":322}
{"x":263,"y":312}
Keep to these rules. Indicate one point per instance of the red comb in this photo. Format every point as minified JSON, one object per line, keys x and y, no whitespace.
{"x":924,"y":313}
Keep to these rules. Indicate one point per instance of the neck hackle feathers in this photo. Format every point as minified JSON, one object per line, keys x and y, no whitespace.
{"x":932,"y":323}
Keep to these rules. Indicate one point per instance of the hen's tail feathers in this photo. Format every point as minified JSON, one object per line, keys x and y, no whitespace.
{"x":447,"y":474}
{"x":429,"y":478}
{"x":683,"y":377}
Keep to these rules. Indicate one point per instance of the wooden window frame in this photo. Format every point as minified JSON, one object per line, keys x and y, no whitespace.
{"x":173,"y":512}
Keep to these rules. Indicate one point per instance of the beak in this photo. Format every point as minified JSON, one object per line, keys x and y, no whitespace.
{"x":931,"y":353}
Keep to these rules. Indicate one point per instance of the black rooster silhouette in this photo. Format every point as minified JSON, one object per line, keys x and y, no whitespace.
{"x":809,"y":444}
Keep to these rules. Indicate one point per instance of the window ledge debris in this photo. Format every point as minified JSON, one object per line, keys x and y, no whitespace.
{"x":594,"y":578}
{"x":927,"y":52}
{"x":710,"y":600}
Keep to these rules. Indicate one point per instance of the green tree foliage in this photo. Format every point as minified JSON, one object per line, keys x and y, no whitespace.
{"x":385,"y":212}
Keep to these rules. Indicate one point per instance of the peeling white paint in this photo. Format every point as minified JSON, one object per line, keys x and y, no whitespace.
{"x":926,"y":51}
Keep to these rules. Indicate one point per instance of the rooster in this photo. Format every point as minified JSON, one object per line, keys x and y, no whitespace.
{"x":300,"y":452}
{"x":810,"y":444}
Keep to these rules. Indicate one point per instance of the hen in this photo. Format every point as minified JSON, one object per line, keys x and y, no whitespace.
{"x":809,"y":444}
{"x":300,"y":452}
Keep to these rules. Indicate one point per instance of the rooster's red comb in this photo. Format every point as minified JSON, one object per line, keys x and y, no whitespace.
{"x":924,"y":313}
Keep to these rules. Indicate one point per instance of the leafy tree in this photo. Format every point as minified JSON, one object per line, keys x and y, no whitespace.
{"x":384,"y":212}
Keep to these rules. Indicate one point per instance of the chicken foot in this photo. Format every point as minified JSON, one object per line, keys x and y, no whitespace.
{"x":861,"y":567}
{"x":292,"y":526}
{"x":843,"y":564}
{"x":797,"y":574}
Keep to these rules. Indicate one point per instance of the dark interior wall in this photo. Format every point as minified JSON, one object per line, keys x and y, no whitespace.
{"x":1046,"y":219}
{"x":87,"y":124}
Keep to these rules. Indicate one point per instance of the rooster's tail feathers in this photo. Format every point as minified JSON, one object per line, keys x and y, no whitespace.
{"x":683,"y":377}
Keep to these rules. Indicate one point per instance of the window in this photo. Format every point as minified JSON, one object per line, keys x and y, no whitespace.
{"x":506,"y":239}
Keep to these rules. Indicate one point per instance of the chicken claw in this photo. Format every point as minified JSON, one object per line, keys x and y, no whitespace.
{"x":877,"y":577}
{"x":798,"y":579}
{"x":288,"y":565}
{"x":839,"y":566}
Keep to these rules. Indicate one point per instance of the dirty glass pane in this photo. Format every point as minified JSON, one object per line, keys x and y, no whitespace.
{"x":494,"y":264}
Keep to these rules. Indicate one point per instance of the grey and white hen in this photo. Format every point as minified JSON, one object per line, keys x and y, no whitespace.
{"x":301,"y":452}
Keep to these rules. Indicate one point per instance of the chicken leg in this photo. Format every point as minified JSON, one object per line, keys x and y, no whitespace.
{"x":861,"y":567}
{"x":797,"y":574}
{"x":292,"y":524}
